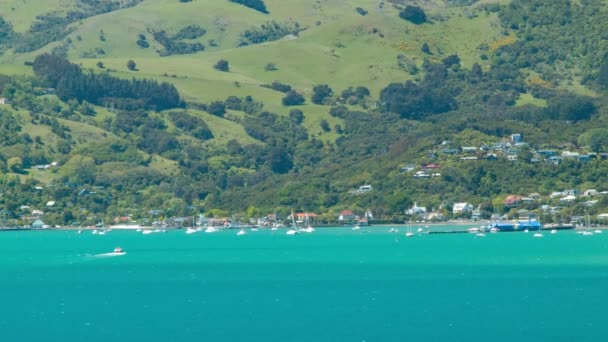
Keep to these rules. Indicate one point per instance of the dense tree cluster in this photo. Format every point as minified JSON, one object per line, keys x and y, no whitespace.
{"x":70,"y":82}
{"x":553,"y":34}
{"x":321,"y":93}
{"x":270,"y":31}
{"x":191,"y":125}
{"x":417,"y":101}
{"x":278,"y":86}
{"x":173,"y":45}
{"x":293,"y":98}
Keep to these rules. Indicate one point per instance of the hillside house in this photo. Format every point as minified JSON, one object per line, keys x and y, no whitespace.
{"x":516,"y":138}
{"x":590,"y":192}
{"x":462,"y":208}
{"x":416,"y":210}
{"x":347,"y":216}
{"x":512,"y":200}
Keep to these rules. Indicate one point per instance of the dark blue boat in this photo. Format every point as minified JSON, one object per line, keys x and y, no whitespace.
{"x":516,"y":226}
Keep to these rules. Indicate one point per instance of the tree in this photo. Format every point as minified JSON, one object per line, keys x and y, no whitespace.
{"x":279,"y":160}
{"x":217,"y":108}
{"x":271,"y":67}
{"x":595,"y":138}
{"x":320,"y":93}
{"x":602,"y":76}
{"x":293,"y":98}
{"x":413,"y":14}
{"x":426,"y":49}
{"x":222,"y":65}
{"x":451,"y":60}
{"x":131,"y":65}
{"x":325,"y":126}
{"x":15,"y":164}
{"x":296,"y":116}
{"x":100,"y":65}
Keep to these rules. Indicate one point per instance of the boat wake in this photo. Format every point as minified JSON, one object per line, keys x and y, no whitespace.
{"x":111,"y":254}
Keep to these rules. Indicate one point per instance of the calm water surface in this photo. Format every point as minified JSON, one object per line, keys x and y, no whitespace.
{"x":333,"y":285}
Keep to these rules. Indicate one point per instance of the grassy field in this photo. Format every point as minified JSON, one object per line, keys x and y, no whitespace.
{"x":338,"y":46}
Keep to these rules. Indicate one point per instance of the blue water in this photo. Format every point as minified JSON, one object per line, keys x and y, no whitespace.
{"x":333,"y":285}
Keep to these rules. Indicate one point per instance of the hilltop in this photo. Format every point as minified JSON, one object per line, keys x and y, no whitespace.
{"x":295,"y":104}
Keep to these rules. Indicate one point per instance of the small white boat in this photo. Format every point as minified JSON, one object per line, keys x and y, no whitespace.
{"x":146,"y":231}
{"x":241,"y":232}
{"x":191,"y":231}
{"x":79,"y":231}
{"x":356,"y":227}
{"x":138,"y":230}
{"x":538,"y":235}
{"x":292,"y":232}
{"x":308,"y":229}
{"x":274,"y":228}
{"x":117,"y":252}
{"x":94,"y":231}
{"x":480,"y":235}
{"x":419,"y":230}
{"x":101,"y":232}
{"x":587,"y":232}
{"x":254,"y":229}
{"x":553,"y":231}
{"x":526,"y":231}
{"x":494,"y":230}
{"x":597,"y":231}
{"x":409,"y":234}
{"x":211,"y":230}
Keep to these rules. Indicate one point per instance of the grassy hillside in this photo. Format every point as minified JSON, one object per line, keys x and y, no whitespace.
{"x":479,"y":73}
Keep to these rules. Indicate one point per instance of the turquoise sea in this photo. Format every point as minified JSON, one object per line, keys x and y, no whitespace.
{"x":333,"y":285}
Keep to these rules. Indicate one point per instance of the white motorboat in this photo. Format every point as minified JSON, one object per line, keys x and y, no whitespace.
{"x":553,"y":231}
{"x":211,"y":230}
{"x":597,"y":231}
{"x":147,"y":231}
{"x":292,"y":232}
{"x":191,"y":231}
{"x":241,"y":232}
{"x":538,"y":235}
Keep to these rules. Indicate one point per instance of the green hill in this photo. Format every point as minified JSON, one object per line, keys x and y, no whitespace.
{"x":479,"y":71}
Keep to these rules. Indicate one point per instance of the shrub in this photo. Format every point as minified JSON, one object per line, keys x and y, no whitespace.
{"x":413,"y":14}
{"x":222,"y":65}
{"x":293,"y":98}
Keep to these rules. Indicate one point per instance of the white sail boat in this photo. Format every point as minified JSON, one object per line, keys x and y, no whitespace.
{"x":293,"y":230}
{"x":409,"y":230}
{"x":309,"y":228}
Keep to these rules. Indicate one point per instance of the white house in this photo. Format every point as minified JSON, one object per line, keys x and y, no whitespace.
{"x":416,"y":210}
{"x":365,"y":188}
{"x":463,"y":207}
{"x":590,"y":192}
